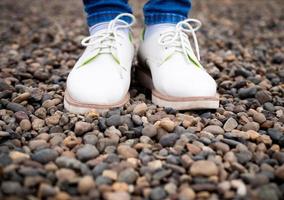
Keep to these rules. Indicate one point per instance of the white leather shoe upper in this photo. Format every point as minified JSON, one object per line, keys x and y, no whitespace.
{"x":102,"y":74}
{"x":175,"y":69}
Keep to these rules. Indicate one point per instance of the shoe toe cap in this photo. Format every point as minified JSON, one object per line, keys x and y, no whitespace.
{"x":97,"y":87}
{"x":189,"y":82}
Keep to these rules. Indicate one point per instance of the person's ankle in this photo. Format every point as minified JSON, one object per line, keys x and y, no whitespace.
{"x":150,"y":29}
{"x":103,"y":26}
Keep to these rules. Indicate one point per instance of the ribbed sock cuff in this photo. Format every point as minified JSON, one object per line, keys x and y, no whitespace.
{"x":159,"y":18}
{"x":106,"y":16}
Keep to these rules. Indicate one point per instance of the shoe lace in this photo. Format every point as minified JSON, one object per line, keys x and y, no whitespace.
{"x":106,"y":42}
{"x":179,"y":39}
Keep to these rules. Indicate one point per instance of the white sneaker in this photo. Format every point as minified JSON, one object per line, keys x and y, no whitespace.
{"x":169,"y":67}
{"x":101,"y":77}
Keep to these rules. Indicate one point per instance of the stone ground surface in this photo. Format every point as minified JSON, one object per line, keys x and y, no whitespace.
{"x":141,"y":151}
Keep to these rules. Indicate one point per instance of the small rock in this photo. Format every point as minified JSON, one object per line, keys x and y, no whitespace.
{"x":25,"y":125}
{"x":158,"y":193}
{"x":5,"y":86}
{"x":87,"y":152}
{"x":86,"y":184}
{"x":245,"y":93}
{"x":53,"y":120}
{"x":214,"y":129}
{"x":114,"y":120}
{"x":253,"y":135}
{"x":263,"y":96}
{"x":167,"y":124}
{"x":45,"y":155}
{"x":259,"y":117}
{"x":170,"y":188}
{"x":275,"y":134}
{"x":230,"y":124}
{"x":121,"y":187}
{"x":128,"y":176}
{"x":278,"y":58}
{"x":265,"y":139}
{"x":37,"y":124}
{"x":65,"y":175}
{"x":20,"y":115}
{"x":110,"y":174}
{"x":71,"y":141}
{"x":22,"y":97}
{"x":90,"y":139}
{"x":168,"y":139}
{"x":244,"y":156}
{"x":11,"y":187}
{"x":17,"y":156}
{"x":41,"y":113}
{"x":204,"y":168}
{"x":140,"y":109}
{"x":117,"y":196}
{"x":149,"y":130}
{"x":82,"y":127}
{"x":279,"y":173}
{"x":126,"y":151}
{"x":186,"y":194}
{"x":16,"y":107}
{"x":251,"y":126}
{"x":50,"y":103}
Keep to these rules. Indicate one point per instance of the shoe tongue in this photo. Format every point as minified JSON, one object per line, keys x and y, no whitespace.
{"x":159,"y":28}
{"x":100,"y":27}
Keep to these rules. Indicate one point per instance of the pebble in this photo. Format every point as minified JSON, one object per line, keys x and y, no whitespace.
{"x":114,"y":120}
{"x":110,"y":174}
{"x":65,"y":175}
{"x":4,"y":85}
{"x":25,"y":125}
{"x":45,"y":155}
{"x":86,"y":184}
{"x":259,"y":117}
{"x":82,"y":127}
{"x":186,"y":194}
{"x":158,"y":193}
{"x":11,"y":187}
{"x":117,"y":196}
{"x":16,"y":107}
{"x":263,"y":96}
{"x":17,"y":156}
{"x":245,"y":93}
{"x":140,"y":109}
{"x":127,"y":152}
{"x":168,"y":139}
{"x":149,"y":130}
{"x":128,"y":176}
{"x":87,"y":152}
{"x":275,"y":134}
{"x":244,"y":156}
{"x":279,"y":173}
{"x":37,"y":124}
{"x":230,"y":124}
{"x":204,"y":168}
{"x":214,"y":129}
{"x":251,"y":126}
{"x":167,"y":124}
{"x":71,"y":141}
{"x":22,"y":97}
{"x":20,"y":115}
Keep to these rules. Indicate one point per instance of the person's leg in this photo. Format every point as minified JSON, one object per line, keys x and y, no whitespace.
{"x":99,"y":11}
{"x":176,"y":77}
{"x":166,"y":11}
{"x":100,"y":78}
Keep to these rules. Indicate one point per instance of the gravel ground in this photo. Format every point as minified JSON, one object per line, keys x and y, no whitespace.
{"x":142,"y":151}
